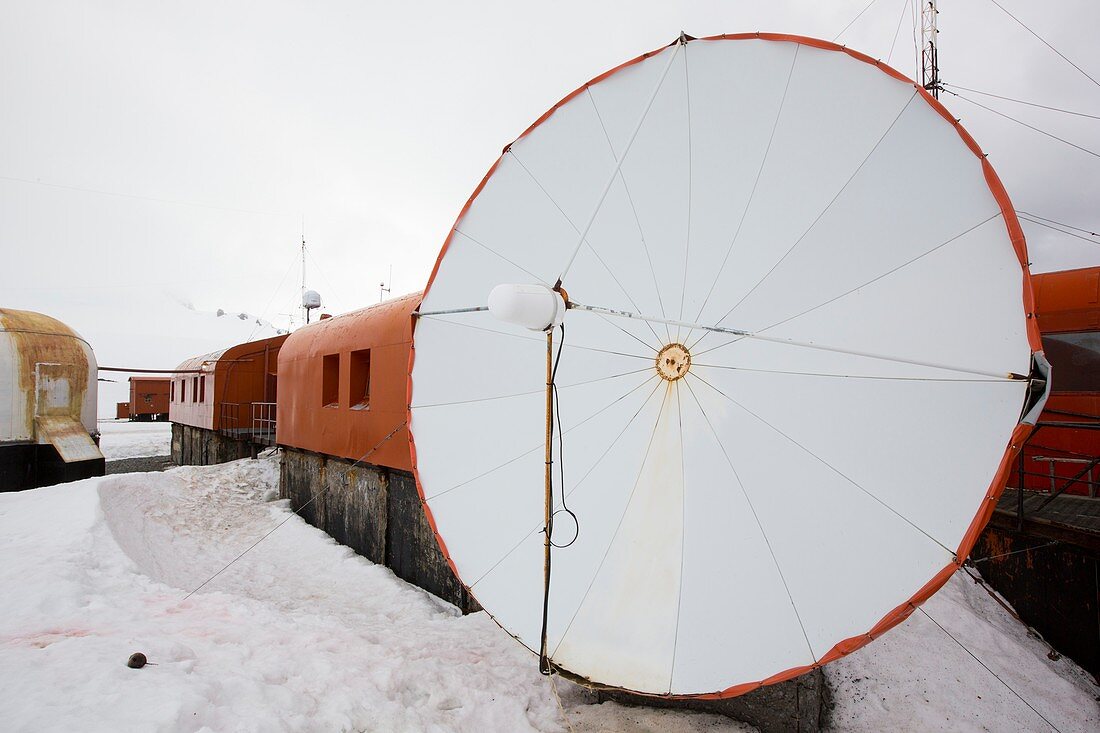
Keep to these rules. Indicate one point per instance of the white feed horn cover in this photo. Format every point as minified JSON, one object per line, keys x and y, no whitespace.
{"x":535,"y":307}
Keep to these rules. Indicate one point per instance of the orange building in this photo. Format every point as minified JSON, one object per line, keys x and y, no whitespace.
{"x":1067,"y":307}
{"x":232,"y":391}
{"x":343,"y":384}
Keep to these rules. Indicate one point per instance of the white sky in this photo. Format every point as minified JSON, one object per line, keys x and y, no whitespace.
{"x":215,"y":128}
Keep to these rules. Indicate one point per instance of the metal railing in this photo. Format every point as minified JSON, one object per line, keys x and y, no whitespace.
{"x":263,"y":423}
{"x":1083,"y":476}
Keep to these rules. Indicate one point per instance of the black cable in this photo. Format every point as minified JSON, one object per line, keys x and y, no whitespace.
{"x":555,"y":420}
{"x":897,"y":30}
{"x":1021,"y":101}
{"x":1045,"y":43}
{"x":1021,"y":122}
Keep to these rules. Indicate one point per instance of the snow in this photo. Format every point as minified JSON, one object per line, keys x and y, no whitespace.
{"x":124,"y":439}
{"x":302,"y":634}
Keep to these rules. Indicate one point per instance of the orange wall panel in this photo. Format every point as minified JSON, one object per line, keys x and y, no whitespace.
{"x":308,"y":419}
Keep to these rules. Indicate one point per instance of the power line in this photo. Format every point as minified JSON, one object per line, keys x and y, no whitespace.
{"x":1045,"y":43}
{"x":101,"y":192}
{"x":1021,"y":101}
{"x":987,"y":669}
{"x":853,"y":20}
{"x":1059,"y":223}
{"x":1021,"y":122}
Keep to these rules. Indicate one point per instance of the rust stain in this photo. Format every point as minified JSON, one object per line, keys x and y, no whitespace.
{"x":38,"y":338}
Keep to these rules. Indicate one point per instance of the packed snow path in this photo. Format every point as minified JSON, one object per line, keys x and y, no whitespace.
{"x":301,"y":634}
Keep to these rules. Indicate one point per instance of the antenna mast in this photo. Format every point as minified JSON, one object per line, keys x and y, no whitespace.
{"x":305,"y":312}
{"x":930,"y":63}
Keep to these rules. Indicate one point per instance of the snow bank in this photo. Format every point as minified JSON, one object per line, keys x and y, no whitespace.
{"x":303,"y":635}
{"x":917,"y":678}
{"x":300,"y":634}
{"x":124,"y":439}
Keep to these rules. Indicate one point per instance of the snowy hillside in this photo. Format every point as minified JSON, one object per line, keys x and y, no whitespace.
{"x":301,"y":634}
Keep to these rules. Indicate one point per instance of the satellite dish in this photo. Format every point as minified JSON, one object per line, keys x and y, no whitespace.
{"x":791,"y":375}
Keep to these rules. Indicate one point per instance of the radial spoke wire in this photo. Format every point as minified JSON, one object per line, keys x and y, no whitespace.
{"x":683,"y":534}
{"x":530,"y":392}
{"x":862,"y":285}
{"x":619,"y":161}
{"x":695,"y":364}
{"x":569,"y":221}
{"x":687,"y":234}
{"x":756,"y":518}
{"x":618,"y":527}
{"x":755,"y":183}
{"x":537,"y":339}
{"x":634,"y":210}
{"x":830,"y":466}
{"x":540,"y":445}
{"x":538,"y":527}
{"x":492,"y":251}
{"x":818,"y":218}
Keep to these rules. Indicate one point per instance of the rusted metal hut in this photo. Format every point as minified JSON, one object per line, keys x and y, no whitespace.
{"x":48,"y":383}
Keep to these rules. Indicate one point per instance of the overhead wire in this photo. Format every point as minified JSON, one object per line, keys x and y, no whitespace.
{"x":293,"y":514}
{"x":1021,"y":122}
{"x":901,"y":17}
{"x":1059,"y":223}
{"x":1046,"y":43}
{"x":1023,"y":101}
{"x":853,"y":20}
{"x":1056,"y":229}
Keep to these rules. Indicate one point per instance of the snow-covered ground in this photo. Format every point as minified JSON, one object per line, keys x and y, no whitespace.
{"x":302,"y":634}
{"x":124,"y":439}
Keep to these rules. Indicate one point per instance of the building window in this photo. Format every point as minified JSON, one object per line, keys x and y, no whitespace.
{"x":172,"y":391}
{"x":1075,"y":359}
{"x":330,"y":381}
{"x":202,"y":388}
{"x":194,"y":389}
{"x":360,"y":380}
{"x":183,"y":390}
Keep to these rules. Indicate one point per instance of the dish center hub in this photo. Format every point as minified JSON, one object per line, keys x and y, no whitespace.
{"x":673,"y":362}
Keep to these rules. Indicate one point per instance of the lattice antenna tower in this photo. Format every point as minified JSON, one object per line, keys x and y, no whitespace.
{"x":930,"y":65}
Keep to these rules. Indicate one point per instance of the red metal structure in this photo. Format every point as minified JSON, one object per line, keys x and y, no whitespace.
{"x":343,"y":384}
{"x":234,"y":392}
{"x":148,"y":398}
{"x":1063,"y":453}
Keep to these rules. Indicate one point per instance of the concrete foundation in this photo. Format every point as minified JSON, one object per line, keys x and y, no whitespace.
{"x":200,"y":447}
{"x":800,"y":705}
{"x":376,"y":512}
{"x":1055,"y":588}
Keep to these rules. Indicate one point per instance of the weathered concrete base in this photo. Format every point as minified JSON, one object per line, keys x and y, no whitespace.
{"x":800,"y":705}
{"x":376,"y":512}
{"x":200,"y":447}
{"x":1054,"y":588}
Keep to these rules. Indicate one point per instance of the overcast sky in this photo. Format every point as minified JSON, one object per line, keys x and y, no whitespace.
{"x":154,"y":154}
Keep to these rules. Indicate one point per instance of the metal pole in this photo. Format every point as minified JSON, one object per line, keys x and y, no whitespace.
{"x":544,"y":660}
